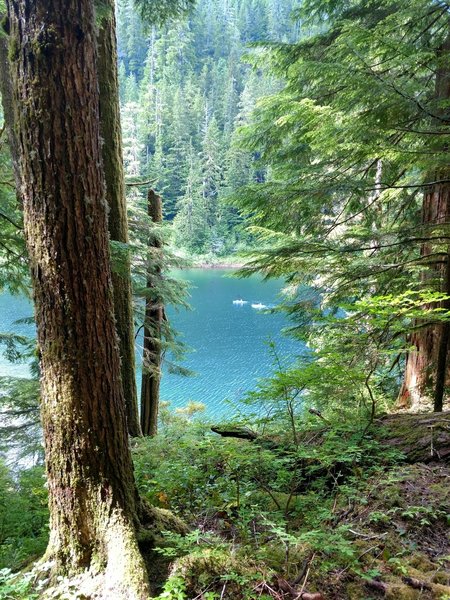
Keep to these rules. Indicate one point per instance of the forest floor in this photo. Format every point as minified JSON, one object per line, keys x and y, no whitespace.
{"x":364,"y":522}
{"x":400,"y":531}
{"x":392,"y":542}
{"x":343,"y":513}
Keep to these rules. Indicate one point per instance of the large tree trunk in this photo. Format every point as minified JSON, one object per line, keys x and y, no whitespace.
{"x":115,"y":196}
{"x":427,"y":371}
{"x":153,"y":320}
{"x":92,"y":495}
{"x":7,"y":101}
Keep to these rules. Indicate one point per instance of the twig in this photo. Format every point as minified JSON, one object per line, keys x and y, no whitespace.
{"x":366,"y":536}
{"x":432,"y":441}
{"x":307,"y":575}
{"x":300,"y":576}
{"x":264,"y":585}
{"x":138,"y":183}
{"x":3,"y":216}
{"x":304,"y":582}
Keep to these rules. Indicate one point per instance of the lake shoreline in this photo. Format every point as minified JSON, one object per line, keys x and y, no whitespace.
{"x":222,"y":333}
{"x":208,"y":266}
{"x":209,"y":262}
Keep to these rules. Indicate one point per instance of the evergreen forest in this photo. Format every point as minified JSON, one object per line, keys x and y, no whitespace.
{"x":186,"y":89}
{"x":146,"y":145}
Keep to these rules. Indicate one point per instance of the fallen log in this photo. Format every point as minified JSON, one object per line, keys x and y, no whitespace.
{"x":420,"y":437}
{"x":242,"y":433}
{"x":417,"y":584}
{"x":376,"y":585}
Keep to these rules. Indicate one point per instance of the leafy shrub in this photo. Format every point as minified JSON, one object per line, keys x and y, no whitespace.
{"x":23,"y":516}
{"x":13,"y":587}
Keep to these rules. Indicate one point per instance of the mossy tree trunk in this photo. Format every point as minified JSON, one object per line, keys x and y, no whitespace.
{"x":427,"y":372}
{"x":115,"y":196}
{"x":153,"y":321}
{"x":7,"y":98}
{"x":92,"y":495}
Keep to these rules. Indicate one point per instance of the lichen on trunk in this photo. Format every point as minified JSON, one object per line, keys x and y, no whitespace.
{"x":115,"y":197}
{"x":92,"y":495}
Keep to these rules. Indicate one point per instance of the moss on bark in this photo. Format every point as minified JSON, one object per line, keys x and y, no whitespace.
{"x":115,"y":197}
{"x":93,"y":500}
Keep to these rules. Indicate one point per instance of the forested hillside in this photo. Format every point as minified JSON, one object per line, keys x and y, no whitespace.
{"x":186,"y":88}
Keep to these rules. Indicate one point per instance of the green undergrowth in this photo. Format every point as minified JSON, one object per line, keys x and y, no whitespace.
{"x":13,"y":587}
{"x":332,"y":512}
{"x":23,"y":517}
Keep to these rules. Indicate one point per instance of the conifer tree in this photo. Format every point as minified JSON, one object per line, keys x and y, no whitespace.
{"x":354,"y":146}
{"x":190,"y":224}
{"x":117,"y":214}
{"x":194,"y":67}
{"x":212,"y":165}
{"x":92,"y":495}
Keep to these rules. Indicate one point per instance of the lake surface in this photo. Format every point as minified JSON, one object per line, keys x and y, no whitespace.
{"x":12,"y":310}
{"x":229,"y":342}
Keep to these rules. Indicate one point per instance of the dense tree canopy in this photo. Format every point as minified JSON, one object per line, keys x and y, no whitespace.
{"x":356,"y":202}
{"x":185,"y":90}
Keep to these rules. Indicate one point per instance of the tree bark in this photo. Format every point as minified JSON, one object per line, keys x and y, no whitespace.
{"x":92,"y":496}
{"x":427,"y":370}
{"x":115,"y":196}
{"x":7,"y":101}
{"x":153,"y":320}
{"x":442,"y":363}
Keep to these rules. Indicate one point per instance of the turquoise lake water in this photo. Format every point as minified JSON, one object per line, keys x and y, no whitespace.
{"x":229,"y":342}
